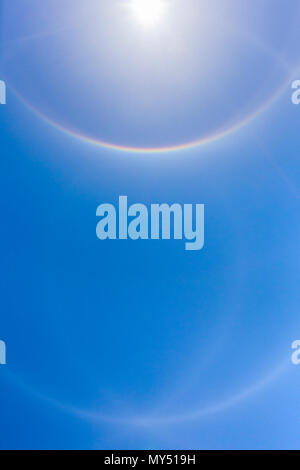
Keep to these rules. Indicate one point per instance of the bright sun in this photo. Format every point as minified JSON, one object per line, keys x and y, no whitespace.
{"x":148,"y":12}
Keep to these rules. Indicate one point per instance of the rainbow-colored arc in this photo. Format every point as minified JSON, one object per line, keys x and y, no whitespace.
{"x":154,"y":150}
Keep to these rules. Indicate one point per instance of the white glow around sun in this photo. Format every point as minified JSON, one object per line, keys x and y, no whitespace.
{"x":148,"y":12}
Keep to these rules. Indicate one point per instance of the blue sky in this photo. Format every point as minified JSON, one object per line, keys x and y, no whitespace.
{"x":124,"y":344}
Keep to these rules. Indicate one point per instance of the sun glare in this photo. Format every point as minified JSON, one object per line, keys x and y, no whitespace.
{"x":148,"y":12}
